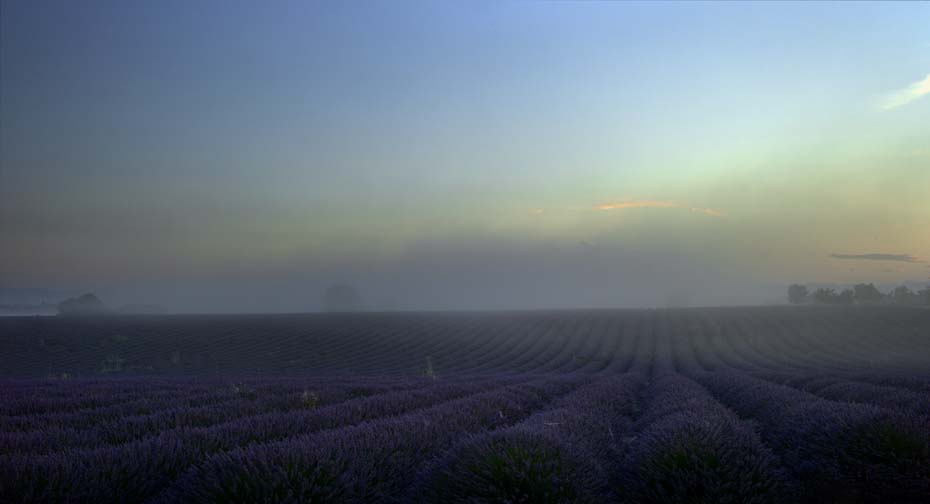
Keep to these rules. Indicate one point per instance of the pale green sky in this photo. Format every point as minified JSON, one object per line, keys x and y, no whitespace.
{"x":215,"y":143}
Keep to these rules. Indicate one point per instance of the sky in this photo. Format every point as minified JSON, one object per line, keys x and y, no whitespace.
{"x":241,"y":156}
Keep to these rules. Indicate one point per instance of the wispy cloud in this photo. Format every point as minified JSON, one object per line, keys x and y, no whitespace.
{"x":708,"y":211}
{"x":879,"y":257}
{"x":904,"y":96}
{"x":637,"y":204}
{"x":659,"y":204}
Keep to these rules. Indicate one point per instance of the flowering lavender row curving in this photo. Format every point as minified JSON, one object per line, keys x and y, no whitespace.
{"x":835,"y":448}
{"x":839,"y":388}
{"x":364,"y":463}
{"x":140,"y":467}
{"x":119,"y":397}
{"x":688,"y":446}
{"x":562,"y":454}
{"x":52,"y":432}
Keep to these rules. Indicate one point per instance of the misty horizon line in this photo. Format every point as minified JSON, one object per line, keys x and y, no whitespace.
{"x":464,"y":311}
{"x":48,"y":299}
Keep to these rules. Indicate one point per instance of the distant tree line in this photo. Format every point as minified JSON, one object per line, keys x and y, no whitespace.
{"x":861,"y":294}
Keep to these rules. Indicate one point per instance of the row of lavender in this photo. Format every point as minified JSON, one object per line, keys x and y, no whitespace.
{"x":201,"y":408}
{"x":904,"y":391}
{"x":843,"y":435}
{"x":364,"y":462}
{"x":764,"y":338}
{"x":853,"y":451}
{"x":375,"y":344}
{"x":38,"y":471}
{"x":759,"y":443}
{"x":651,"y":435}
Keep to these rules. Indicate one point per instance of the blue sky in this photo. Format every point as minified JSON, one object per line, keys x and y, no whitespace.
{"x":209,"y":143}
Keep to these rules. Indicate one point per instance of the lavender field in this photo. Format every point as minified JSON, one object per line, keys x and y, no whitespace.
{"x":739,"y":405}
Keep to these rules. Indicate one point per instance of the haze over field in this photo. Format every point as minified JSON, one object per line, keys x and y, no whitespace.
{"x":218,"y":156}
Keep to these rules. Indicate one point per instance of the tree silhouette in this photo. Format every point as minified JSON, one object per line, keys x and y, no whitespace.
{"x":830,"y":296}
{"x":798,"y":294}
{"x":859,"y":294}
{"x":87,"y":304}
{"x":867,"y":293}
{"x":903,"y":296}
{"x":825,"y":296}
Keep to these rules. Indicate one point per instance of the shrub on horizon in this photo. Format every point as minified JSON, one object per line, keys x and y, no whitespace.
{"x":798,"y":294}
{"x":867,"y":294}
{"x":830,"y":296}
{"x":86,"y":304}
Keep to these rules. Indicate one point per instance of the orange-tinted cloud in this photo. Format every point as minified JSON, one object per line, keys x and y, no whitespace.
{"x":659,"y":204}
{"x":638,"y":204}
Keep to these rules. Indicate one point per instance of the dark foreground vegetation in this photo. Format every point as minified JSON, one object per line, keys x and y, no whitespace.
{"x":755,"y":405}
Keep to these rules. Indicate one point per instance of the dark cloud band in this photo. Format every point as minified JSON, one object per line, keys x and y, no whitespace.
{"x":879,"y":257}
